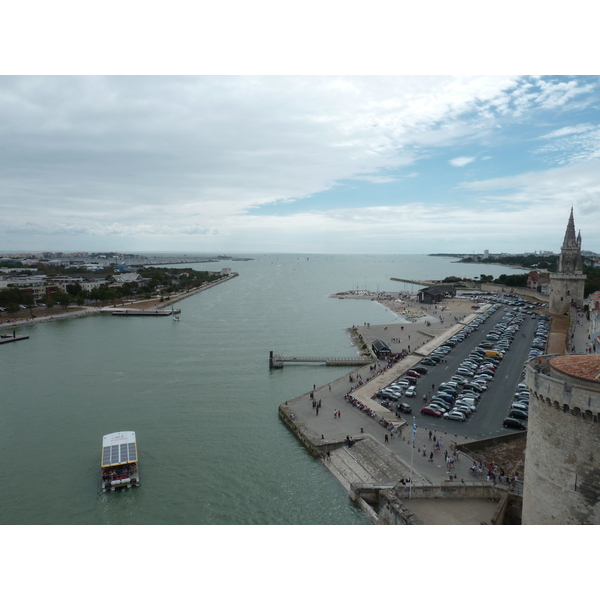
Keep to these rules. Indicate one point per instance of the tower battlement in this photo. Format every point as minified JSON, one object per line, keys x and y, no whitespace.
{"x":562,"y":472}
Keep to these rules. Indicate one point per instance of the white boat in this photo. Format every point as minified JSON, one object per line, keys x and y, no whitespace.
{"x":119,"y":462}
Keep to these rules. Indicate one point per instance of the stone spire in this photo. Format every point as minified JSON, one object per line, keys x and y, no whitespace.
{"x":570,"y":255}
{"x":570,"y":241}
{"x":567,"y":285}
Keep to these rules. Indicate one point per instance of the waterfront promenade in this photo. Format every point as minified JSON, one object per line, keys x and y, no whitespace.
{"x":391,"y":459}
{"x":11,"y":322}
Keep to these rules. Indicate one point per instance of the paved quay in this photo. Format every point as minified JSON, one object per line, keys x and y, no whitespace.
{"x":371,"y":459}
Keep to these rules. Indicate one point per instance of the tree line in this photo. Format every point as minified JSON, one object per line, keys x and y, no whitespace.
{"x":161,"y":281}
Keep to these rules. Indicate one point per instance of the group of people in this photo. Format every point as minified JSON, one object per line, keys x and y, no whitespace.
{"x":371,"y":413}
{"x":494,"y":472}
{"x":119,"y":472}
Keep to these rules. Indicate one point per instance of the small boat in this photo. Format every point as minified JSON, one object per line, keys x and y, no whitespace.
{"x":119,"y":462}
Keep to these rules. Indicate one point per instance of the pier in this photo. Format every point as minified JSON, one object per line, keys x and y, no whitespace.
{"x":132,"y":312}
{"x":6,"y":338}
{"x":276,"y":361}
{"x":416,"y":281}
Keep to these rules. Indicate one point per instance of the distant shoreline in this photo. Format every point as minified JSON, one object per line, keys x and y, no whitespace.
{"x":87,"y":311}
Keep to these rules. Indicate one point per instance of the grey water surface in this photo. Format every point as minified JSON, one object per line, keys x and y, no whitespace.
{"x":199,"y":395}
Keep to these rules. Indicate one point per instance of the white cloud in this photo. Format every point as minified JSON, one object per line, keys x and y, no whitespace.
{"x":536,"y":204}
{"x":461,"y":161}
{"x":161,"y":160}
{"x":570,"y":130}
{"x":572,"y":144}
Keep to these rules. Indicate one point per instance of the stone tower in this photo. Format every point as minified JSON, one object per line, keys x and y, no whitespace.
{"x":562,"y":459}
{"x":568,"y":282}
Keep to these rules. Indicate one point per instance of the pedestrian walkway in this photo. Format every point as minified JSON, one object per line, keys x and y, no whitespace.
{"x":579,"y":333}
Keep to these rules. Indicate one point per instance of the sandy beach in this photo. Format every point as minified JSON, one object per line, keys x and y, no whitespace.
{"x":413,"y":324}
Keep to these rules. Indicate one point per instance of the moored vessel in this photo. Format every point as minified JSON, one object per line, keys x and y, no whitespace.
{"x":119,"y":462}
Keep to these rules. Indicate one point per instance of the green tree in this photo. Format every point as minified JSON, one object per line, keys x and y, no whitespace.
{"x":63,"y":299}
{"x":48,"y":301}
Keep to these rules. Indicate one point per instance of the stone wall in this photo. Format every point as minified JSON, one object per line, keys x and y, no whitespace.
{"x":392,"y":511}
{"x":565,"y":287}
{"x":562,"y":465}
{"x":477,"y":448}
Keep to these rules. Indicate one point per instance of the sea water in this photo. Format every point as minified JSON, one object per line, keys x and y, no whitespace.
{"x":199,"y":395}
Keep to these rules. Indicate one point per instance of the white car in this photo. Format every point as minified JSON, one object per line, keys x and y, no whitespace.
{"x":454,"y":415}
{"x":411,"y":391}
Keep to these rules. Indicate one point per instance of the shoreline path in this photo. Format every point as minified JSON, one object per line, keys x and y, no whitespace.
{"x":152,"y":304}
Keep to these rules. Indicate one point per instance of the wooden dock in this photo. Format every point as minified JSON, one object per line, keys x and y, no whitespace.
{"x":5,"y":339}
{"x":276,"y":361}
{"x":132,"y":312}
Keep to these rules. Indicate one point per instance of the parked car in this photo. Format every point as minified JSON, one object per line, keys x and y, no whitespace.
{"x":421,"y":370}
{"x":411,"y":392}
{"x":440,"y":405}
{"x":455,"y":415}
{"x":463,"y":371}
{"x":467,"y":409}
{"x":462,"y":409}
{"x":518,"y":414}
{"x":404,"y":408}
{"x":432,"y":412}
{"x":514,"y":423}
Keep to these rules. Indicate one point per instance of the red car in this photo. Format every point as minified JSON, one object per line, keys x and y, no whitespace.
{"x":413,"y":373}
{"x":427,"y":410}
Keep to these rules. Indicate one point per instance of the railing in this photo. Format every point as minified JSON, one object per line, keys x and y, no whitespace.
{"x":277,"y":361}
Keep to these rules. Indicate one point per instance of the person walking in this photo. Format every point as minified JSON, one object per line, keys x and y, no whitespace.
{"x":386,"y":438}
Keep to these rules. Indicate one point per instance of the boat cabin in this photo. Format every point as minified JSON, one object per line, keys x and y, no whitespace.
{"x":119,"y":462}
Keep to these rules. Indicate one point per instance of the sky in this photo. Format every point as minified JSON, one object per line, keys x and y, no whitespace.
{"x":231,"y":154}
{"x":376,"y":164}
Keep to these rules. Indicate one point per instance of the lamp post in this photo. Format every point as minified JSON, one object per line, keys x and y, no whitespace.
{"x":412,"y":451}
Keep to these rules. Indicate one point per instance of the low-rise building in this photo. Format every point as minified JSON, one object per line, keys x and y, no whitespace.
{"x":438,"y":293}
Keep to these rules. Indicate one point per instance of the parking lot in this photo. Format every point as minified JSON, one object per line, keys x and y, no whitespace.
{"x":470,"y":388}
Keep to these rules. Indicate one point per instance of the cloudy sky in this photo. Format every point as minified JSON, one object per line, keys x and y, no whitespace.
{"x":399,"y":164}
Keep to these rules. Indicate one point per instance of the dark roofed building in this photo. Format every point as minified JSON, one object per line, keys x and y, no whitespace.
{"x":438,"y":293}
{"x":381,"y":349}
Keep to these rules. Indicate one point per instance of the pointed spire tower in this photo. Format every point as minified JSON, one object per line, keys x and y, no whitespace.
{"x":568,"y":282}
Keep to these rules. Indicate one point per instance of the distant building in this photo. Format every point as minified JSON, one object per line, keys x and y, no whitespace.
{"x":538,"y":281}
{"x":486,"y":254}
{"x":122,"y":278}
{"x":434,"y":294}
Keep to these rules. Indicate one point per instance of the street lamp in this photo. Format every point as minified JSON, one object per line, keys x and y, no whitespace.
{"x":412,"y":450}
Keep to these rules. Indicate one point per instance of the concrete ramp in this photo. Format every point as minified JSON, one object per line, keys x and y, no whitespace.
{"x":369,"y":462}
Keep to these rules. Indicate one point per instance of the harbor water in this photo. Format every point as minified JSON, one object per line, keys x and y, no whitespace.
{"x":197,"y":392}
